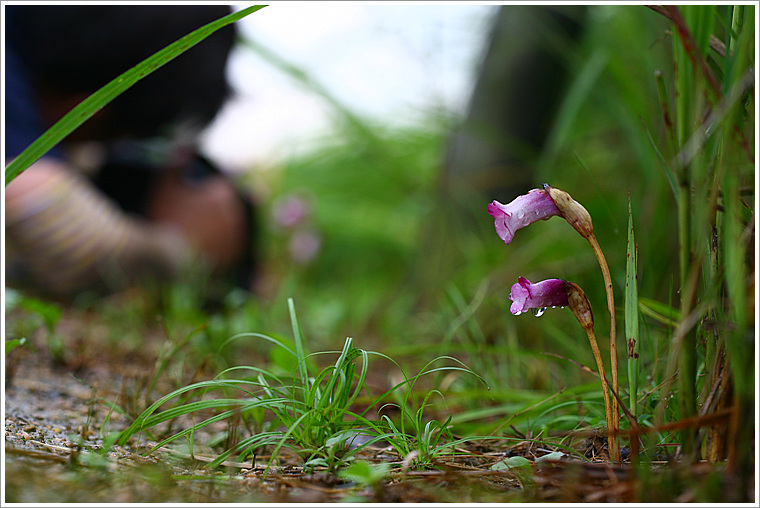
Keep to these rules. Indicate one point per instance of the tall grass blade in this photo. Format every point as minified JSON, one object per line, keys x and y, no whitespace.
{"x":83,"y":111}
{"x":298,"y":338}
{"x":738,"y":234}
{"x":143,"y":420}
{"x":693,"y":24}
{"x":668,"y":170}
{"x":632,"y":314}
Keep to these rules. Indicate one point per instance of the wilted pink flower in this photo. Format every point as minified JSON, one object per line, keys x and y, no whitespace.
{"x":547,"y":293}
{"x":522,"y":211}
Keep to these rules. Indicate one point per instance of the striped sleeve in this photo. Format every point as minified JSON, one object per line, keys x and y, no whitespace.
{"x":64,"y":237}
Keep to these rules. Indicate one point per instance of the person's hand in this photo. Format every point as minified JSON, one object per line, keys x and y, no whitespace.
{"x":63,"y":237}
{"x":209,"y":213}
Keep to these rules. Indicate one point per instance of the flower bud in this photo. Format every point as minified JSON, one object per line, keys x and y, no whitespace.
{"x":572,"y":211}
{"x":579,"y":304}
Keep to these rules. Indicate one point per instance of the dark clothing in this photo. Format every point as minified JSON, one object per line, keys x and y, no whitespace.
{"x":23,"y":119}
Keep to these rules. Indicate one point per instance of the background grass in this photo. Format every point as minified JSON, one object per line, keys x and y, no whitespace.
{"x":375,"y":205}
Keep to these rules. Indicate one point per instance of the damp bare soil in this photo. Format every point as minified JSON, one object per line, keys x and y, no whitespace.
{"x":57,"y":420}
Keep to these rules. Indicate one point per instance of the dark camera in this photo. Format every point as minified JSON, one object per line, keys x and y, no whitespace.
{"x":130,"y":170}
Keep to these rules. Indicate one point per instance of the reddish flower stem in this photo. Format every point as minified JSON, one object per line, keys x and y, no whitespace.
{"x":614,"y":450}
{"x":611,"y":428}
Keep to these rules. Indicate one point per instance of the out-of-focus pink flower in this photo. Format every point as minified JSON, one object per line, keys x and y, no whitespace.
{"x":304,"y":246}
{"x":547,"y":293}
{"x":522,"y":211}
{"x":290,"y":210}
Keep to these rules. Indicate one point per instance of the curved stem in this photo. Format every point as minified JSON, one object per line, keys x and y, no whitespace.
{"x":613,"y":338}
{"x":605,"y":391}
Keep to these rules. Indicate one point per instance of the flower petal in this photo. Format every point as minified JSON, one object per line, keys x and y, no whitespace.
{"x":520,"y":212}
{"x":519,"y":296}
{"x":527,"y":295}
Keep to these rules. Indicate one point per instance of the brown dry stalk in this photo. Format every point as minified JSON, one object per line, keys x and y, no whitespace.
{"x":687,"y":423}
{"x":611,"y":429}
{"x":614,"y":450}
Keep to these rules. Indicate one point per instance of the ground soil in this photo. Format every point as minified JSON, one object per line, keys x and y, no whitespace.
{"x":56,"y":421}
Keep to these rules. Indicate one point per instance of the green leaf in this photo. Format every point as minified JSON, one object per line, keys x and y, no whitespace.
{"x":511,"y":463}
{"x":363,"y":472}
{"x":520,"y":466}
{"x":550,"y":456}
{"x":50,"y":312}
{"x":661,"y":312}
{"x":12,"y":344}
{"x":110,"y":91}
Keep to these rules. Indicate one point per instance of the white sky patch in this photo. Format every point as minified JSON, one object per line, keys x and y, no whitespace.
{"x":387,"y":62}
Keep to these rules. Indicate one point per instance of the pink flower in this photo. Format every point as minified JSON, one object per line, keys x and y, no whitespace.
{"x":547,"y":293}
{"x":304,"y":246}
{"x":522,"y":211}
{"x":289,"y":211}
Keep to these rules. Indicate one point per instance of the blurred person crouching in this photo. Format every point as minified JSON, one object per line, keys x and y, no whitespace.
{"x":126,"y":197}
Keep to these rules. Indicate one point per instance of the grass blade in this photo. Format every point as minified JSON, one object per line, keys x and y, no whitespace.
{"x":632,"y":314}
{"x":300,"y":353}
{"x":84,"y":110}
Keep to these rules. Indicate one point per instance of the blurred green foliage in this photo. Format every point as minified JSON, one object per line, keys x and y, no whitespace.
{"x":388,"y":237}
{"x":376,"y":204}
{"x":415,"y":276}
